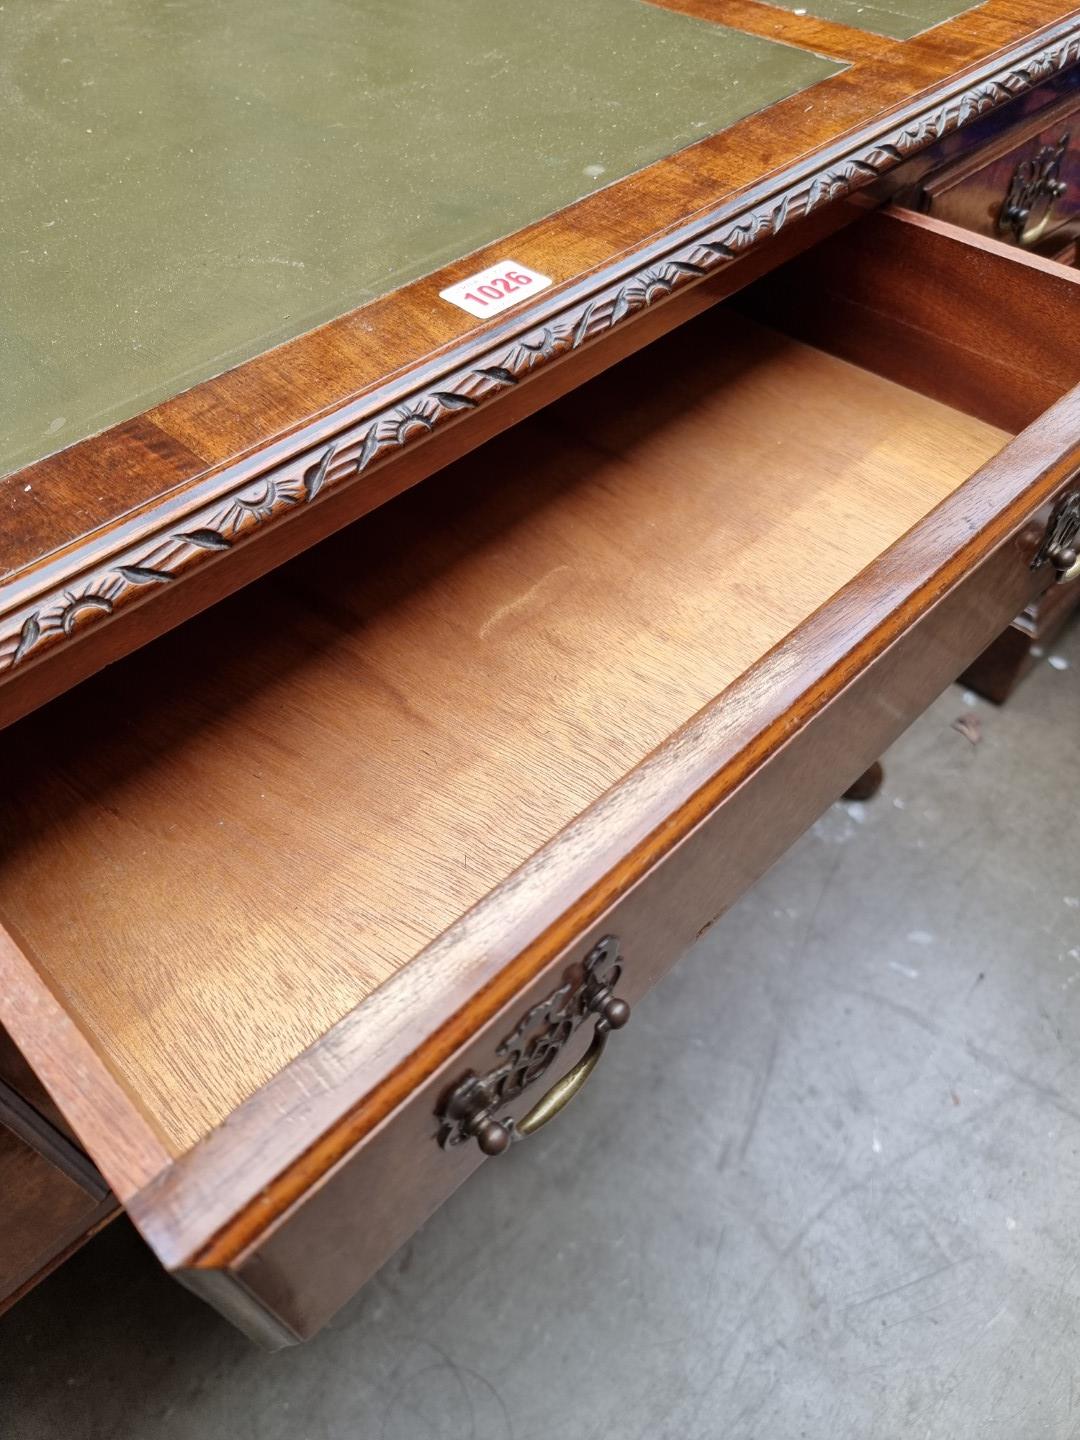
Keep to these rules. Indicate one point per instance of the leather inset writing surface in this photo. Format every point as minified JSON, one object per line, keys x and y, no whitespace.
{"x":186,"y":185}
{"x":900,"y":19}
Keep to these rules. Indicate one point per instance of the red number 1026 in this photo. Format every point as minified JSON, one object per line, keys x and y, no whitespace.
{"x":498,"y":286}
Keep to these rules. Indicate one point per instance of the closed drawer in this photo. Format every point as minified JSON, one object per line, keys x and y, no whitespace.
{"x":1023,"y":187}
{"x":17,"y":1075}
{"x":346,"y":846}
{"x":1005,"y":662}
{"x":50,"y":1199}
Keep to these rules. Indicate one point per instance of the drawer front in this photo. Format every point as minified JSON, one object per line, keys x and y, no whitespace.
{"x":44,"y":1212}
{"x":302,"y":1267}
{"x":1024,"y":190}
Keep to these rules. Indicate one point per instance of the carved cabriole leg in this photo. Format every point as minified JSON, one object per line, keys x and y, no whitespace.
{"x":867,"y":785}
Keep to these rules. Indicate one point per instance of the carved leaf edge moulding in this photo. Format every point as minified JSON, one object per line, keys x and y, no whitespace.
{"x":375,"y":428}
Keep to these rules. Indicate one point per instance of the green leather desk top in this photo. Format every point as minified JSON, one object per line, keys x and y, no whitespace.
{"x":900,"y":19}
{"x":185,"y":183}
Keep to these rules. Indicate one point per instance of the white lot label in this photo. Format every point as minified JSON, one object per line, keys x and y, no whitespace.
{"x":496,"y":288}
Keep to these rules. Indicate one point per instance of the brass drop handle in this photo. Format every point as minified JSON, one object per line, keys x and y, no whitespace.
{"x":493,"y":1137}
{"x":1066,"y":561}
{"x":1034,"y":189}
{"x":471,"y":1111}
{"x":1061,"y":541}
{"x":1015,"y":217}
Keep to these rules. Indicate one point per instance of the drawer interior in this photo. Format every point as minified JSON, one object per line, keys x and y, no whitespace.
{"x":986,"y":327}
{"x":218,"y":847}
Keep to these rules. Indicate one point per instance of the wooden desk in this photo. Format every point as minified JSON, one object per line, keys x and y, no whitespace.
{"x":308,"y":903}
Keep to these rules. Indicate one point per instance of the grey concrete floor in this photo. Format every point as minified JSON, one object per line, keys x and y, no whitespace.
{"x":827,"y":1185}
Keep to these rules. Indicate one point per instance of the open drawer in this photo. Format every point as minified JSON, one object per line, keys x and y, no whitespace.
{"x":309,"y":903}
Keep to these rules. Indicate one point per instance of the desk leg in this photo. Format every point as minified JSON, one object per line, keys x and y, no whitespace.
{"x":867,"y":785}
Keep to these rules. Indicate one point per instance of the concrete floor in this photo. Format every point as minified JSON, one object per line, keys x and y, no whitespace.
{"x":825,"y":1186}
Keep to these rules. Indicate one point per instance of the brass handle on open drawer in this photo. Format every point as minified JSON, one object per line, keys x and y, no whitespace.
{"x":612,"y":1014}
{"x":530,"y":1049}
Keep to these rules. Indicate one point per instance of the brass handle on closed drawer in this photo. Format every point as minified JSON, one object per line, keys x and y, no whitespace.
{"x":1061,"y":543}
{"x":469,"y":1112}
{"x":1066,"y":562}
{"x":1034,"y":188}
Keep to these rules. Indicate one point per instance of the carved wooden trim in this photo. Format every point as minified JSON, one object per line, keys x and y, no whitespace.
{"x":241,"y":499}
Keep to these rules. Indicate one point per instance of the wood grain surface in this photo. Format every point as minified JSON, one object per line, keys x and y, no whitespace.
{"x":106,"y":1117}
{"x":982,"y":326}
{"x":273,"y":810}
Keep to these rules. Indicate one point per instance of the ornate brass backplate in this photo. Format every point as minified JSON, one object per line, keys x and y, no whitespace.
{"x":1034,"y":187}
{"x":1059,"y":545}
{"x":530,"y":1049}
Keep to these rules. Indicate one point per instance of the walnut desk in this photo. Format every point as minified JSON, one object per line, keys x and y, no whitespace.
{"x":478,"y":482}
